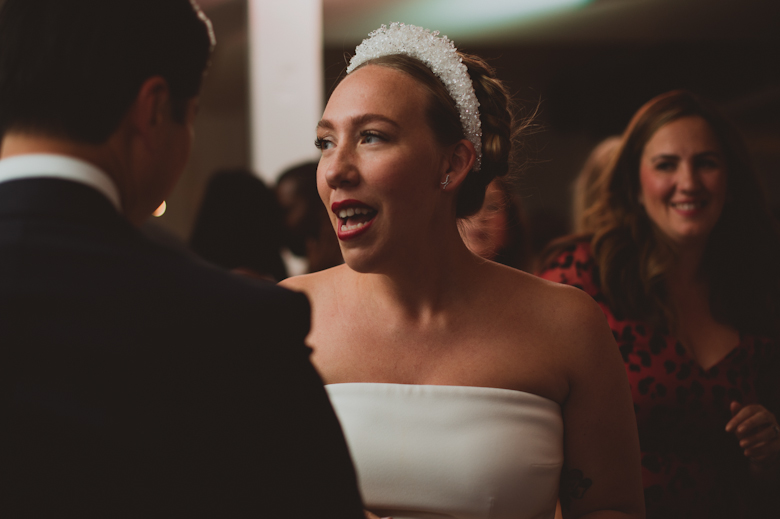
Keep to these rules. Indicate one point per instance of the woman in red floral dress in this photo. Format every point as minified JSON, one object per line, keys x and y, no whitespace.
{"x":684,"y":264}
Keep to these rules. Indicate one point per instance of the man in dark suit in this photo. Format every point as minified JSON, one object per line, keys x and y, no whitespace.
{"x":136,"y":382}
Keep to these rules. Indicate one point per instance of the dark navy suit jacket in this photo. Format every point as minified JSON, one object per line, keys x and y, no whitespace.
{"x":138,"y":382}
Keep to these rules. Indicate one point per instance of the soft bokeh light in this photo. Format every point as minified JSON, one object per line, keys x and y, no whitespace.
{"x":160,"y":210}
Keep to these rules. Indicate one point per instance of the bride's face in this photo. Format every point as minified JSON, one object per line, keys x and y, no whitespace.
{"x":379,"y":174}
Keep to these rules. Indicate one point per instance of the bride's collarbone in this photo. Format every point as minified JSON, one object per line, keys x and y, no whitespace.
{"x":471,"y":359}
{"x":385,"y":333}
{"x":354,"y":324}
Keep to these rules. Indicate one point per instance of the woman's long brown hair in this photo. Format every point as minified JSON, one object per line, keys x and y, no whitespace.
{"x":742,"y":257}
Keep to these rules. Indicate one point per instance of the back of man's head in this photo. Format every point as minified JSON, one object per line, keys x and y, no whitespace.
{"x":72,"y":68}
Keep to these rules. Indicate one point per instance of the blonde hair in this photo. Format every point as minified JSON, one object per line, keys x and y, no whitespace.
{"x":590,"y":181}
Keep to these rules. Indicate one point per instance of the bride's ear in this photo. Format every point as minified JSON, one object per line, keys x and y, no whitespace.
{"x":460,"y":160}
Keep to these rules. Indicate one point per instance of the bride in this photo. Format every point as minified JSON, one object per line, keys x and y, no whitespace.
{"x":466,"y":389}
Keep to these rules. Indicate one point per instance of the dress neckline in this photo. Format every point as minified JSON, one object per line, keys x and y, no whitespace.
{"x":741,"y":344}
{"x":447,"y":388}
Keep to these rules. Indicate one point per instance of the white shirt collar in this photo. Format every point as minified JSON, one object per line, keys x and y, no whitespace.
{"x":44,"y":165}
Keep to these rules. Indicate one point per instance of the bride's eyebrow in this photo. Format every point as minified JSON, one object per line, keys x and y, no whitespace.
{"x":325,"y":125}
{"x":359,"y":120}
{"x":369,"y":118}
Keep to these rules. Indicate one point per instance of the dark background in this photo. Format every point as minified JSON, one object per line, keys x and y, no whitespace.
{"x":587,"y":72}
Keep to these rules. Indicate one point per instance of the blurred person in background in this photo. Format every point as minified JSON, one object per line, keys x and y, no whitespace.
{"x":499,"y":231}
{"x":589,"y":182}
{"x":683,"y":261}
{"x":239,"y":226}
{"x":308,"y":232}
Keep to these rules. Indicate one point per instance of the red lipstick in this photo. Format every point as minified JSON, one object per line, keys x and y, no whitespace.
{"x":354,"y":218}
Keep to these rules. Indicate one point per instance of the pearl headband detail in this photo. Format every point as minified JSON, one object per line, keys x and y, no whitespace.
{"x":440,"y":55}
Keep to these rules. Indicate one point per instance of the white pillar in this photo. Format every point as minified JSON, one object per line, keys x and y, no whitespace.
{"x":285,"y":81}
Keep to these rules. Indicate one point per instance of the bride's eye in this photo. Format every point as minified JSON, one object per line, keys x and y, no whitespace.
{"x":322,"y":144}
{"x":370,"y":137}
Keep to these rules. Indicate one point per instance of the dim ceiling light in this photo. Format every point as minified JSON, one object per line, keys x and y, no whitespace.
{"x":470,"y":16}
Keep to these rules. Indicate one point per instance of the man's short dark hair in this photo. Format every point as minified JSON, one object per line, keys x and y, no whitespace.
{"x":72,"y":68}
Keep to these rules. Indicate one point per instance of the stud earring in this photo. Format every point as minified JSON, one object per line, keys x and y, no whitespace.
{"x":445,"y":183}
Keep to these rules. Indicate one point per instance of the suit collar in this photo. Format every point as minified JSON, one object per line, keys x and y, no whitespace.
{"x":57,"y":199}
{"x":45,"y":165}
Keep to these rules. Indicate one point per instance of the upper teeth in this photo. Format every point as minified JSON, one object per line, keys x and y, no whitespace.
{"x":352,"y":211}
{"x":688,"y":206}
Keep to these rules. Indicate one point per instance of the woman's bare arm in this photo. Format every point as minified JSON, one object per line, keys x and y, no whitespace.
{"x":601,"y":477}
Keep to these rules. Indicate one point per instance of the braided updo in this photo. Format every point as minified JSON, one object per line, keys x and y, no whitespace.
{"x":496,"y":113}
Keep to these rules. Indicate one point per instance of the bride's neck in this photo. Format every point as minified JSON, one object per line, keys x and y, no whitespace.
{"x":429,"y":279}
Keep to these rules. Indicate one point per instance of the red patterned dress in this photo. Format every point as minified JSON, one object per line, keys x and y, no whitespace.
{"x":691,"y":468}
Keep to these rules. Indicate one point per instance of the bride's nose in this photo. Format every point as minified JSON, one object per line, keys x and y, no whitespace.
{"x":340,"y":168}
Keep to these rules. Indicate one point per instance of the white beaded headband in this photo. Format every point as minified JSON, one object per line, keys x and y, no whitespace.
{"x":440,"y":55}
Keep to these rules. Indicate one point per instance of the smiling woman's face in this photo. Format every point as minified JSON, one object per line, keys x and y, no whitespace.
{"x":380,"y":166}
{"x":683,"y":180}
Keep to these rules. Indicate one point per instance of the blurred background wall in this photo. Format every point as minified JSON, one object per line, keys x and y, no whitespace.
{"x":586,"y":65}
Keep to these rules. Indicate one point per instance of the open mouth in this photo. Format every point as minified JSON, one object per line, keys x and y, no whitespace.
{"x":689,"y":206}
{"x":353,"y":216}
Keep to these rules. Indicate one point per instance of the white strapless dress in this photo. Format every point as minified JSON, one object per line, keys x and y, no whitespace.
{"x":424,"y":452}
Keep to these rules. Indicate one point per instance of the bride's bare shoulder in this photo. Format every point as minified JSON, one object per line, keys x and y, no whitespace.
{"x":563,"y":310}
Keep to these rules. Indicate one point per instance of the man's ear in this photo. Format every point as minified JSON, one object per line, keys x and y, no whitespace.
{"x":461,"y":159}
{"x":151,"y":109}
